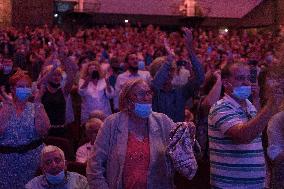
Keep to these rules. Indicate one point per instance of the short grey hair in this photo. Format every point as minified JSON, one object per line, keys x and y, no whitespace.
{"x":48,"y":149}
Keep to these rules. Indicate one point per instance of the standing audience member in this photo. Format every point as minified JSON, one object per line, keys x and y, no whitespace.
{"x":95,"y":91}
{"x":131,"y":73}
{"x":172,"y":100}
{"x":55,"y":175}
{"x":235,"y":145}
{"x":55,"y":94}
{"x":23,"y":125}
{"x":130,"y":148}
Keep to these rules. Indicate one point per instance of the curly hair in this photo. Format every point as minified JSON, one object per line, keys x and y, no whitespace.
{"x":84,"y":70}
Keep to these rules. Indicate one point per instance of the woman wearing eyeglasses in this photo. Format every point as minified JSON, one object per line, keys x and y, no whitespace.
{"x":130,"y":148}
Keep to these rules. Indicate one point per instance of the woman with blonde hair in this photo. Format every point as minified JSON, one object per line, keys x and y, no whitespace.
{"x":95,"y":91}
{"x":55,"y":86}
{"x":130,"y":148}
{"x":23,"y":125}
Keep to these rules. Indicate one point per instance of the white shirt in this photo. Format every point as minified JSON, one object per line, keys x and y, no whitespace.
{"x":84,"y":152}
{"x":95,"y":97}
{"x":181,"y":78}
{"x":126,"y":76}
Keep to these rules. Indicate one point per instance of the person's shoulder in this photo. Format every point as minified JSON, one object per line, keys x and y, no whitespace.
{"x":220,"y":105}
{"x":161,"y":116}
{"x":276,"y":120}
{"x":77,"y":178}
{"x":35,"y":182}
{"x":144,"y":72}
{"x":75,"y":175}
{"x":113,"y":116}
{"x":123,"y":74}
{"x":114,"y":119}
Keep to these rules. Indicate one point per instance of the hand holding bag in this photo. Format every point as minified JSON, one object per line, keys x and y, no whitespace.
{"x":180,"y":149}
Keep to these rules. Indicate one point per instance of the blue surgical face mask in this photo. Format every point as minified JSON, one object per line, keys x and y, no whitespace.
{"x":55,"y":179}
{"x":242,"y":92}
{"x":141,"y":65}
{"x":23,"y":93}
{"x":143,"y":110}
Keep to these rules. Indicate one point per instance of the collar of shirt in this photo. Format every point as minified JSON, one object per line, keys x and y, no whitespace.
{"x":129,"y":74}
{"x":250,"y":108}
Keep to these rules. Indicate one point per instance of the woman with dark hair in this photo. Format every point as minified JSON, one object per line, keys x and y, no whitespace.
{"x":23,"y":125}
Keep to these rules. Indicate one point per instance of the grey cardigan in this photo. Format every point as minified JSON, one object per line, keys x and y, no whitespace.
{"x":105,"y":167}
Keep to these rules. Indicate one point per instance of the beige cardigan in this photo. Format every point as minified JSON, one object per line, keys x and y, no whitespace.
{"x":105,"y":167}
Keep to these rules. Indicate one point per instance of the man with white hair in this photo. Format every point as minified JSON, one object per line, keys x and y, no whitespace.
{"x":55,"y":175}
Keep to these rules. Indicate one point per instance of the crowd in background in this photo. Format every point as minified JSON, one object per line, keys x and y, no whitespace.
{"x":73,"y":83}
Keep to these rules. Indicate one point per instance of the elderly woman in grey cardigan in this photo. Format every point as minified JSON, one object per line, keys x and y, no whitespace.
{"x":130,"y":148}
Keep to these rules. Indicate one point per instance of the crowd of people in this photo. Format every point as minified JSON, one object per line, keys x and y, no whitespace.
{"x":118,"y":96}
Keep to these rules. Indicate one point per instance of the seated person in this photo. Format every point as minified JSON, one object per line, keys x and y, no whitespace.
{"x":84,"y":152}
{"x":55,"y":174}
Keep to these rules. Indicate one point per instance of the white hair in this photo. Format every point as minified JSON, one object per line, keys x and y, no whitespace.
{"x":48,"y":149}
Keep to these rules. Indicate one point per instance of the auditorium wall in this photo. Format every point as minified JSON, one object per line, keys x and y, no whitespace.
{"x":32,"y":12}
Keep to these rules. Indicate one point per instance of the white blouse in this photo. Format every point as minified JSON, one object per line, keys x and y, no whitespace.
{"x":95,"y":97}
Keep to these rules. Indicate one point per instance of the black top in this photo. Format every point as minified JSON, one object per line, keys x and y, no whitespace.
{"x":55,"y":106}
{"x":4,"y":80}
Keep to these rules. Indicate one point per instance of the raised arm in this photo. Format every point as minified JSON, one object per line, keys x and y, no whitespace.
{"x":198,"y":72}
{"x":43,"y":80}
{"x":71,"y":70}
{"x":163,"y":73}
{"x":214,"y":94}
{"x":42,"y":123}
{"x":246,"y":132}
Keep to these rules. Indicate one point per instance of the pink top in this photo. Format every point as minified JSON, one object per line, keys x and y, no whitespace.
{"x":136,"y":163}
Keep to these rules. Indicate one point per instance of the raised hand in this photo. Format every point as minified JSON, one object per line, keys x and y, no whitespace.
{"x":170,"y":51}
{"x":39,"y":94}
{"x":217,"y":74}
{"x":6,"y":98}
{"x":188,"y":38}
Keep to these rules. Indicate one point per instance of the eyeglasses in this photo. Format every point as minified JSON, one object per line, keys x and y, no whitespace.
{"x":143,"y":94}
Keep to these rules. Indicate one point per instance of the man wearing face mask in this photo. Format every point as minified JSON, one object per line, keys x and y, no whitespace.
{"x":6,"y":71}
{"x":54,"y":171}
{"x":132,"y":72}
{"x":235,"y":145}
